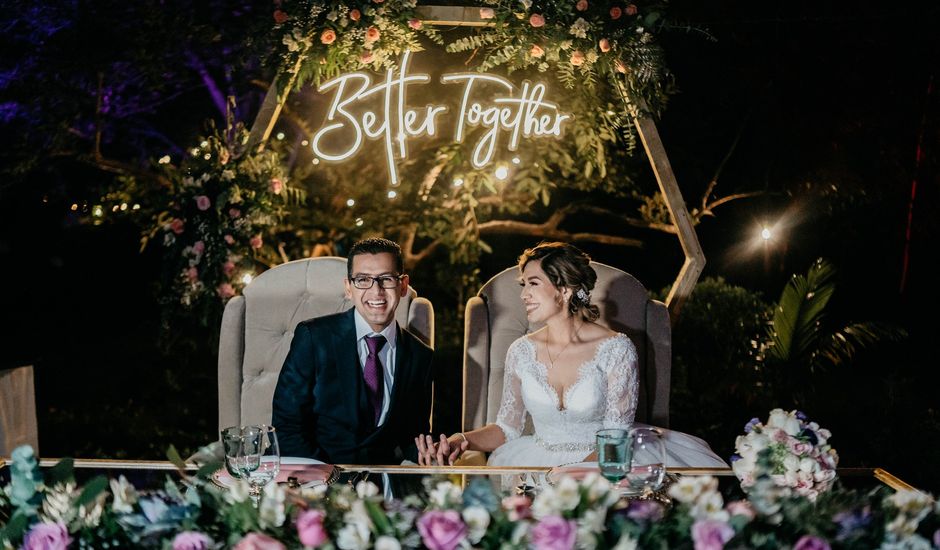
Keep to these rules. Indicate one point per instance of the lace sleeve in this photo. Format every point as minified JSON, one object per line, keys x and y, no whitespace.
{"x":511,"y":416}
{"x":622,"y":383}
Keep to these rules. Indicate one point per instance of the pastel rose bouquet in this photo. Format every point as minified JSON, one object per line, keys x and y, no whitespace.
{"x":798,"y":451}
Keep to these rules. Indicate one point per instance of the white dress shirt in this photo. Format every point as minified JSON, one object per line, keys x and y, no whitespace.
{"x":386,"y":356}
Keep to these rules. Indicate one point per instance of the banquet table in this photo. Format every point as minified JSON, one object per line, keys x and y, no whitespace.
{"x":154,"y":473}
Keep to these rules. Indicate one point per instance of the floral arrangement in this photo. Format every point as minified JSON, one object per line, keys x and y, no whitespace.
{"x":215,"y":216}
{"x":47,"y":510}
{"x":799,"y":456}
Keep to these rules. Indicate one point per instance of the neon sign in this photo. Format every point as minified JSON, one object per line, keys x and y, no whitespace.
{"x":526,"y":114}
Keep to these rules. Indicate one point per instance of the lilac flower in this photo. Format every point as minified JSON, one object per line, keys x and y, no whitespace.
{"x":47,"y":536}
{"x":749,"y":427}
{"x":711,"y":534}
{"x":801,"y":415}
{"x":192,"y":540}
{"x":442,"y":529}
{"x":851,"y":521}
{"x":809,"y":542}
{"x":645,"y":510}
{"x":735,"y":457}
{"x":554,"y":533}
{"x":936,"y":538}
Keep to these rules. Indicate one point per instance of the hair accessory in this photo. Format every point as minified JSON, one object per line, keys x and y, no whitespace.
{"x":582,"y":295}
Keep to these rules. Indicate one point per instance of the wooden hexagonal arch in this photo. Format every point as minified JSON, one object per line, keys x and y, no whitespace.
{"x":646,"y":128}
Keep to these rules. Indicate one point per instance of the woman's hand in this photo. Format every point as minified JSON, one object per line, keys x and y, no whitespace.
{"x":439,"y":453}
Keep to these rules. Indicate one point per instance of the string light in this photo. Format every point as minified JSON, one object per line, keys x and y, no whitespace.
{"x":207,"y":156}
{"x":115,"y":208}
{"x":351,"y":202}
{"x":359,"y":222}
{"x":165,"y":159}
{"x":204,"y":144}
{"x":97,"y":211}
{"x":123,"y":206}
{"x":135,"y":207}
{"x":280,"y":135}
{"x":246,"y":278}
{"x":458,"y":182}
{"x":74,"y":207}
{"x":516,"y":160}
{"x":501,"y":173}
{"x":304,"y":143}
{"x":765,"y":234}
{"x":392,"y":194}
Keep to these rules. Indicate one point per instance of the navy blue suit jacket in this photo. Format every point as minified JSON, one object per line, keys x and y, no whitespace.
{"x":320,"y":406}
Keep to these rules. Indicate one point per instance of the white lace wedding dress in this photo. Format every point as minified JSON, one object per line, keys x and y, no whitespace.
{"x":604,"y":395}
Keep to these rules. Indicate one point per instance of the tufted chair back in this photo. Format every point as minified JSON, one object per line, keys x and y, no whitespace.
{"x":495,"y":317}
{"x":258,"y":326}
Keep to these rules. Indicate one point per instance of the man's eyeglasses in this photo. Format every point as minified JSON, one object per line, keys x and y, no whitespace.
{"x":364,"y":282}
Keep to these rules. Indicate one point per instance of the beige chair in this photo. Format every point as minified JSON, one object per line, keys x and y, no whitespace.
{"x":496,"y":317}
{"x":258,"y":326}
{"x":18,"y":410}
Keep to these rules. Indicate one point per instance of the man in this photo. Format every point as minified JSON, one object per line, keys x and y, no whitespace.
{"x":355,"y":387}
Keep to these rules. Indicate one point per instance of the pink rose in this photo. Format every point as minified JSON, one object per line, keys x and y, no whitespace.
{"x":740,"y":508}
{"x":279,"y":17}
{"x":310,"y":528}
{"x":177,"y":226}
{"x":328,"y":36}
{"x":199,"y":247}
{"x":192,"y":540}
{"x":366,"y":56}
{"x":554,"y":533}
{"x":517,"y":507}
{"x":809,"y":542}
{"x":225,"y":291}
{"x":936,"y":538}
{"x":645,"y":510}
{"x":229,"y":239}
{"x":415,"y":23}
{"x":620,"y":67}
{"x":615,"y":12}
{"x":257,"y":541}
{"x":256,"y":241}
{"x":203,"y":202}
{"x":631,"y":9}
{"x":710,"y":534}
{"x":536,"y":20}
{"x":354,"y":15}
{"x":234,"y":213}
{"x":442,"y":529}
{"x":192,"y":274}
{"x":378,"y":1}
{"x":47,"y":536}
{"x":577,"y":58}
{"x":604,"y":45}
{"x":487,"y":13}
{"x":536,"y":51}
{"x":372,"y":34}
{"x":581,"y":5}
{"x":228,"y":268}
{"x":276,"y":186}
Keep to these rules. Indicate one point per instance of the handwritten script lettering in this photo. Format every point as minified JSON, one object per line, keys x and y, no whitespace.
{"x":522,"y":112}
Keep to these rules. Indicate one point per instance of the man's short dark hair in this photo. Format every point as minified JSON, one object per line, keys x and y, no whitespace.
{"x":375,"y":245}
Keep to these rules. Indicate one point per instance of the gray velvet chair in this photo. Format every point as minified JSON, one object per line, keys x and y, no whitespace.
{"x":496,"y":317}
{"x":258,"y":326}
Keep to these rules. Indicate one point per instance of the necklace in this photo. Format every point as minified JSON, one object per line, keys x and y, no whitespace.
{"x":548,"y":350}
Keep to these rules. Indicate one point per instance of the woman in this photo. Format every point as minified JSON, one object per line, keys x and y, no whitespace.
{"x":572,"y":376}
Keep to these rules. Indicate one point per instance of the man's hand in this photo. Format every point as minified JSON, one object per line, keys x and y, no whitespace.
{"x":439,"y":453}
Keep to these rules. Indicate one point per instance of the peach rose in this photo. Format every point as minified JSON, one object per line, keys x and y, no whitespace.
{"x":378,"y":1}
{"x":581,"y":5}
{"x":631,"y":9}
{"x":280,"y":17}
{"x":615,"y":12}
{"x":372,"y":34}
{"x":577,"y":58}
{"x":367,"y":56}
{"x":536,"y":51}
{"x":487,"y":13}
{"x":328,"y":36}
{"x":415,"y":23}
{"x":536,"y":20}
{"x":604,"y":45}
{"x":355,"y":15}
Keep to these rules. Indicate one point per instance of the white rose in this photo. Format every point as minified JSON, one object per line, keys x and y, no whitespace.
{"x":759,"y":441}
{"x":791,"y":463}
{"x":271,"y":509}
{"x":366,"y":489}
{"x":792,"y":426}
{"x":710,"y":505}
{"x":568,"y":494}
{"x":777,"y":419}
{"x":353,"y":536}
{"x":545,"y":503}
{"x":444,"y":493}
{"x":808,"y":465}
{"x":124,"y":495}
{"x":477,"y":520}
{"x":238,"y":492}
{"x":386,"y":542}
{"x":626,"y":542}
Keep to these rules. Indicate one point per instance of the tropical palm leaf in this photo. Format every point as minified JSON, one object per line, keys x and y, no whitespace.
{"x":796,"y":331}
{"x":844,"y":344}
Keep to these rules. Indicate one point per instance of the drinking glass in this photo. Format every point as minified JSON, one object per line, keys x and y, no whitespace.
{"x":262,"y":456}
{"x":237,"y":462}
{"x":613,"y":453}
{"x":648,"y":462}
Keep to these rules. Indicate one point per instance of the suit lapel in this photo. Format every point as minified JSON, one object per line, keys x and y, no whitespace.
{"x":348,"y":370}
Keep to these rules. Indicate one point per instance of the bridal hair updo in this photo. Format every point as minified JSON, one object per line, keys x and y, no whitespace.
{"x":567,"y":267}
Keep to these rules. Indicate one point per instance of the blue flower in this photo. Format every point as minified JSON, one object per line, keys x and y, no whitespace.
{"x":735,"y":457}
{"x":801,"y":415}
{"x":749,"y":427}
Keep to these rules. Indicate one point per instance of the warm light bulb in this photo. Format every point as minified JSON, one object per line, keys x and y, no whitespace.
{"x":359,"y":222}
{"x":458,"y":182}
{"x":204,"y":144}
{"x":501,"y":173}
{"x":97,"y":211}
{"x":351,"y":202}
{"x":246,"y":278}
{"x":516,"y":160}
{"x":765,"y":234}
{"x":392,"y":194}
{"x":280,"y":135}
{"x":123,"y":206}
{"x":304,"y":143}
{"x":165,"y":159}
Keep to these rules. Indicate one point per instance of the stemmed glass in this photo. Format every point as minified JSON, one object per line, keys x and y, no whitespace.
{"x":648,"y":463}
{"x":613,"y":453}
{"x":252,"y":453}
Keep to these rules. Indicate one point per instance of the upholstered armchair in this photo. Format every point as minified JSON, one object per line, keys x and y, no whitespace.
{"x":258,"y":326}
{"x":495,"y":317}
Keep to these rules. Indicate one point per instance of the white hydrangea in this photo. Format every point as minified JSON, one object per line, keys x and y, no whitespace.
{"x":579,"y":28}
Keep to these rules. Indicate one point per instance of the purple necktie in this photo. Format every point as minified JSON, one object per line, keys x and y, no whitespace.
{"x":373,"y":374}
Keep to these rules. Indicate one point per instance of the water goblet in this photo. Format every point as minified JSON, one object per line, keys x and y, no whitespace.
{"x":648,"y":462}
{"x":613,"y":453}
{"x":237,"y":462}
{"x":262,"y":457}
